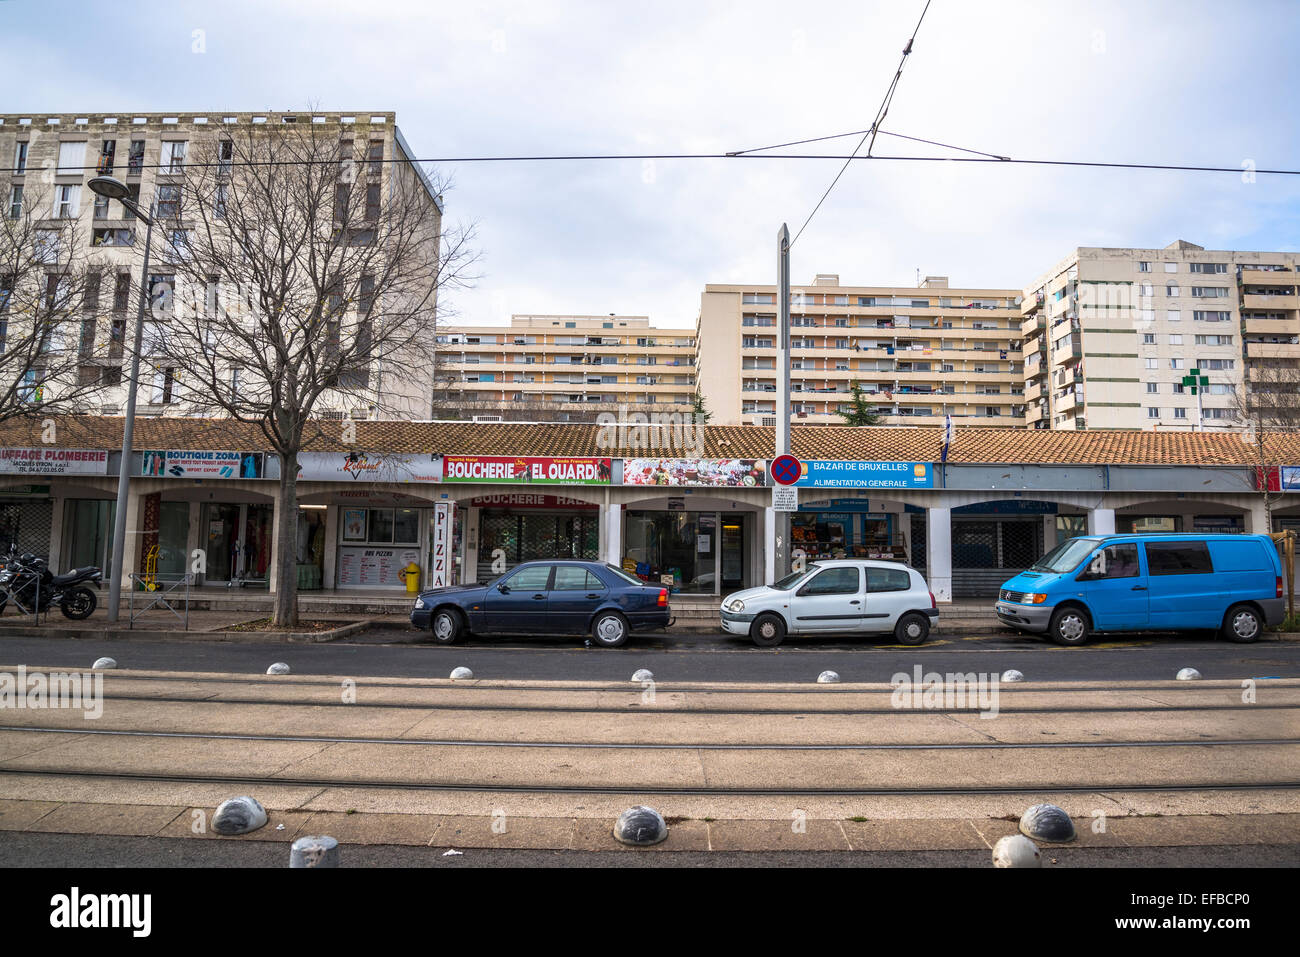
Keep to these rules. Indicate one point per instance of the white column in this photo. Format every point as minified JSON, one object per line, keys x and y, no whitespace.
{"x":938,"y":551}
{"x":192,"y":540}
{"x":331,"y":552}
{"x":1257,"y":519}
{"x":1101,"y":521}
{"x":1049,"y":533}
{"x":769,"y":545}
{"x":611,"y":533}
{"x":131,"y":548}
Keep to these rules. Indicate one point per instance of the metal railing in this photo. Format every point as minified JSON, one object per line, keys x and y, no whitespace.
{"x":158,"y":595}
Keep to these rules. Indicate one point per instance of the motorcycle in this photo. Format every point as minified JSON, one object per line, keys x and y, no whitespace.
{"x":32,"y":587}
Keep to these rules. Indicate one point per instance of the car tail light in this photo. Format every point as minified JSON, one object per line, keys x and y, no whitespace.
{"x":1279,"y":587}
{"x":663,"y":597}
{"x":933,"y":603}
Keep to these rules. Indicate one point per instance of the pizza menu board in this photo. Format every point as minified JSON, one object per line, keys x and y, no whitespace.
{"x":362,"y":567}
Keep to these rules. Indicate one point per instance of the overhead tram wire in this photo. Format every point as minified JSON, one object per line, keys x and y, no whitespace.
{"x":875,"y":124}
{"x":754,"y":155}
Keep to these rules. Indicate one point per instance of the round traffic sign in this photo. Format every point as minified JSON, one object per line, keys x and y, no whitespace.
{"x":786,"y":470}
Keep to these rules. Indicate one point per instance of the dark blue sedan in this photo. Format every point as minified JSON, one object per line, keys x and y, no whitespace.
{"x":559,"y":597}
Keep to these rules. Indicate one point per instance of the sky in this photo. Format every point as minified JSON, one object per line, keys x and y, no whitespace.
{"x":1186,"y":82}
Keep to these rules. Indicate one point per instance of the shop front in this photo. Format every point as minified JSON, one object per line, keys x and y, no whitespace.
{"x":27,"y":504}
{"x":994,"y":541}
{"x":26,"y":519}
{"x":847,"y":528}
{"x":377,"y":542}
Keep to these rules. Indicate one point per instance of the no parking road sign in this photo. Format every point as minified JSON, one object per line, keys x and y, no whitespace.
{"x":785,"y":470}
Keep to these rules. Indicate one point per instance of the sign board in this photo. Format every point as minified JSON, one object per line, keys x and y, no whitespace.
{"x":53,"y":462}
{"x":717,"y":473}
{"x":785,"y":470}
{"x":514,"y":500}
{"x":440,"y":546}
{"x":202,"y":465}
{"x":367,"y":467}
{"x":523,"y":469}
{"x":369,"y":566}
{"x":832,"y":473}
{"x":785,"y":498}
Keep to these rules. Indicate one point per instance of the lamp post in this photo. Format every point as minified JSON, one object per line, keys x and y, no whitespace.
{"x":112,"y":188}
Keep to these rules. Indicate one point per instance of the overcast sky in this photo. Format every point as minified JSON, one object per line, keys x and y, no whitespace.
{"x":1206,"y":83}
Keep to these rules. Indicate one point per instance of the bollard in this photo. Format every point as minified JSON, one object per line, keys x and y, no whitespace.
{"x":640,"y":826}
{"x":461,"y":674}
{"x":238,"y":815}
{"x":1016,"y":850}
{"x":322,"y":851}
{"x":1011,"y":675}
{"x":279,"y":668}
{"x":1047,"y":822}
{"x":1188,"y":674}
{"x":828,"y":678}
{"x":643,"y":674}
{"x":102,"y":664}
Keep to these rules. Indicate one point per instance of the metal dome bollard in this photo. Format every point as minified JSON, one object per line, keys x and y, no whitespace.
{"x":828,"y":678}
{"x":640,"y":826}
{"x":279,"y":668}
{"x":1188,"y":674}
{"x":1011,"y":675}
{"x":103,"y":664}
{"x":1047,"y":822}
{"x":239,"y":815}
{"x":643,"y":674}
{"x":1016,"y":850}
{"x":322,"y":851}
{"x":461,"y":674}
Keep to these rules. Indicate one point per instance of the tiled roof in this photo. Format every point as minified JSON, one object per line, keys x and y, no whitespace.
{"x":970,"y":445}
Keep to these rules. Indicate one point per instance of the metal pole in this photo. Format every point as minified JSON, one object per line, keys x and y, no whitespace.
{"x":782,"y":550}
{"x":128,"y":434}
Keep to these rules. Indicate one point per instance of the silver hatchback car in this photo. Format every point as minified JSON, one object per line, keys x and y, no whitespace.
{"x":843,"y":596}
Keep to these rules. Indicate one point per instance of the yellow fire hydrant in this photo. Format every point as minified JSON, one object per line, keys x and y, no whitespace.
{"x":412,"y":575}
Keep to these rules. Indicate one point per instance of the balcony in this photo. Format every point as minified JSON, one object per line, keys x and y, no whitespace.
{"x":1267,"y":277}
{"x":1289,"y":326}
{"x":1271,"y":302}
{"x":1033,"y":325}
{"x":1272,"y":350}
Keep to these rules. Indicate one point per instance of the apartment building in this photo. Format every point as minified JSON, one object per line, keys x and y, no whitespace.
{"x":921,"y":353}
{"x":46,"y":160}
{"x":1109,"y":335}
{"x":564,"y":369}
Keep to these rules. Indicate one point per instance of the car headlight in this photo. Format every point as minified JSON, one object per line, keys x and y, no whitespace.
{"x":1034,"y":599}
{"x":736,"y":606}
{"x":419,"y":603}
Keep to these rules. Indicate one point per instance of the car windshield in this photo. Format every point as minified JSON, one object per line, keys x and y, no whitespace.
{"x":789,"y":581}
{"x":632,"y":579}
{"x":1065,"y":557}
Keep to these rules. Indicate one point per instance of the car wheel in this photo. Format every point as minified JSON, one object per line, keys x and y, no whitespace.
{"x":446,"y":626}
{"x":1069,"y":626}
{"x":1242,"y":624}
{"x":767,"y":631}
{"x":609,"y":630}
{"x":912,"y":629}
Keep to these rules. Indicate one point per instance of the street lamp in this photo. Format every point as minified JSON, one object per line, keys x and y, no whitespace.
{"x":111,"y":188}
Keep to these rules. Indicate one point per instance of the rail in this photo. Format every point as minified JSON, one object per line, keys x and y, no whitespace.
{"x":160,"y":590}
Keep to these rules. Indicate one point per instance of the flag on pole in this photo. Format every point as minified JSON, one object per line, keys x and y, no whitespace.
{"x":947,"y":437}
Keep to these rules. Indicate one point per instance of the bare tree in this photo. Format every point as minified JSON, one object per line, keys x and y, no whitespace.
{"x":1267,"y":405}
{"x":296,"y":281}
{"x":49,"y":307}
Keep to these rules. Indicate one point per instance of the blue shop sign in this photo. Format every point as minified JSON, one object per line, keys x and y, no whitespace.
{"x":834,"y":473}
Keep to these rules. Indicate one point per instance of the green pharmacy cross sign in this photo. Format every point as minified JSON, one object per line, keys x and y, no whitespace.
{"x":1196,"y":381}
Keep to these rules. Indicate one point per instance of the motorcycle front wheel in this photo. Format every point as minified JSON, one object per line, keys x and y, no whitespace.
{"x":79,"y":603}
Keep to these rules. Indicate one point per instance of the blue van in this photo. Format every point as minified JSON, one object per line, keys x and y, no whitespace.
{"x":1228,"y":583}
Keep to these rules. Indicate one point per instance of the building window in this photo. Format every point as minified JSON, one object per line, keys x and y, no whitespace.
{"x":1153,"y":387}
{"x":173,"y":156}
{"x":1153,"y":363}
{"x":1174,"y":315}
{"x":225,"y":157}
{"x":20,"y":158}
{"x":164,"y":382}
{"x":135,"y":158}
{"x":219,"y":201}
{"x":372,"y":202}
{"x":1144,"y":267}
{"x":1171,"y":267}
{"x":375,"y":155}
{"x":1175,"y":363}
{"x":107,"y":151}
{"x":169,"y":202}
{"x":1209,"y":267}
{"x":72,"y":159}
{"x":1175,"y":340}
{"x":1210,"y":292}
{"x":1180,"y":413}
{"x":1148,"y":338}
{"x":1153,"y":413}
{"x":15,"y":202}
{"x":1171,"y":291}
{"x":67,"y":202}
{"x":101,"y":207}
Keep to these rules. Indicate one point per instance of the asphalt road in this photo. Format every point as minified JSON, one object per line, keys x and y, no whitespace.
{"x":392,"y":652}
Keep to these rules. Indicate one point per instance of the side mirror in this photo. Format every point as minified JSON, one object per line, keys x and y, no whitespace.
{"x":503,"y":588}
